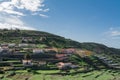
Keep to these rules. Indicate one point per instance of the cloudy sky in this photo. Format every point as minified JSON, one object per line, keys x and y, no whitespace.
{"x":81,"y":20}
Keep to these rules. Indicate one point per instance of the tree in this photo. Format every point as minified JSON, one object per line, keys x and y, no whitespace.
{"x":27,"y":56}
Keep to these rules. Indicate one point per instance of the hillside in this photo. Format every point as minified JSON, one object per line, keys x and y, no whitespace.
{"x":36,"y":37}
{"x":102,"y":57}
{"x":100,"y":48}
{"x":51,"y":40}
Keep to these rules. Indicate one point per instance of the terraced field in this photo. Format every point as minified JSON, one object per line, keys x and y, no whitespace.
{"x":55,"y":75}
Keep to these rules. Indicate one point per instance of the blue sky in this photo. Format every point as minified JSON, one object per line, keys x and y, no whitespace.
{"x":82,"y":20}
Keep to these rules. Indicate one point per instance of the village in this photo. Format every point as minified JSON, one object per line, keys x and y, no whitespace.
{"x":21,"y":56}
{"x":30,"y":57}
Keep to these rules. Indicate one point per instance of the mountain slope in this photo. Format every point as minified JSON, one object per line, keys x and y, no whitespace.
{"x":51,"y":40}
{"x":100,"y":48}
{"x":36,"y":37}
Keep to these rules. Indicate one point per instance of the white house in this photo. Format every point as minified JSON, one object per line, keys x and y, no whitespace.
{"x":27,"y":62}
{"x":62,"y":65}
{"x":4,"y":46}
{"x":11,"y":44}
{"x":38,"y":51}
{"x":1,"y":49}
{"x":23,"y":45}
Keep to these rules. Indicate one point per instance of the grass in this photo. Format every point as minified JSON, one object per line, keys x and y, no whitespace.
{"x":53,"y":75}
{"x":12,"y":61}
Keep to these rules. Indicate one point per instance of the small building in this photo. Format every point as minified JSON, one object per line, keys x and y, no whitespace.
{"x":63,"y":66}
{"x":11,"y":44}
{"x":61,"y":56}
{"x":36,"y":51}
{"x":26,"y":39}
{"x":1,"y":49}
{"x":27,"y":62}
{"x":68,"y":51}
{"x":4,"y":46}
{"x":23,"y":45}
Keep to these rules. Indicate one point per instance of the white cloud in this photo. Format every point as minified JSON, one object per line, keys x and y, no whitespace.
{"x":112,"y":37}
{"x":12,"y":26}
{"x":8,"y":7}
{"x":42,"y":10}
{"x":43,"y":15}
{"x":11,"y":12}
{"x":113,"y":32}
{"x":46,"y":10}
{"x":30,"y":5}
{"x":13,"y":22}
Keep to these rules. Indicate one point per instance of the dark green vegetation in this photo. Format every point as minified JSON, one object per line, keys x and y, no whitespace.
{"x":53,"y":75}
{"x":97,"y":66}
{"x":36,"y":37}
{"x":90,"y":68}
{"x":51,"y":40}
{"x":39,"y":37}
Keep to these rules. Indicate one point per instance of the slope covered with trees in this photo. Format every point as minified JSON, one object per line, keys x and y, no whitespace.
{"x":51,"y":40}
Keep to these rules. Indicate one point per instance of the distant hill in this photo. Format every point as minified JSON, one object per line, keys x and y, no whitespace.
{"x":36,"y":37}
{"x":100,"y":48}
{"x":51,"y":40}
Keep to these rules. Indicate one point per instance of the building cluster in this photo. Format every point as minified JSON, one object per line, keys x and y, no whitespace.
{"x":13,"y":55}
{"x":32,"y":48}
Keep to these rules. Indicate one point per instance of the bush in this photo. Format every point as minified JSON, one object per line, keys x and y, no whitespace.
{"x":1,"y":77}
{"x":12,"y":73}
{"x":2,"y":72}
{"x":29,"y":70}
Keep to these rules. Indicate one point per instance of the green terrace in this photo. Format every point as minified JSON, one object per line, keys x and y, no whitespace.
{"x":56,"y":75}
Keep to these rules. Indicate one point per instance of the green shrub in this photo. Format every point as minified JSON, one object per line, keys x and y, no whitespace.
{"x":29,"y":70}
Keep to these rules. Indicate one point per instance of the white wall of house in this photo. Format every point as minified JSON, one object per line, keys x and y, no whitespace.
{"x":11,"y":44}
{"x":27,"y":62}
{"x":38,"y":51}
{"x":1,"y":49}
{"x":23,"y":45}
